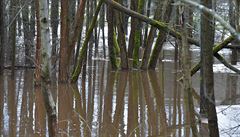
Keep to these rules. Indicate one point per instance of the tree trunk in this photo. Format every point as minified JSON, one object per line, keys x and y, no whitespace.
{"x":45,"y":42}
{"x":161,"y":37}
{"x":158,"y":24}
{"x":46,"y":66}
{"x":38,"y":48}
{"x":233,"y":20}
{"x":112,"y":54}
{"x":77,"y":31}
{"x":19,"y":21}
{"x":26,"y":30}
{"x":12,"y":34}
{"x":186,"y":67}
{"x":122,"y":46}
{"x":146,"y":25}
{"x":131,"y":43}
{"x":102,"y":27}
{"x":122,"y":41}
{"x":72,"y":9}
{"x":64,"y":63}
{"x":82,"y":55}
{"x":207,"y":40}
{"x":150,"y":37}
{"x":138,"y":36}
{"x":32,"y":31}
{"x":1,"y":36}
{"x":238,"y":14}
{"x":54,"y":25}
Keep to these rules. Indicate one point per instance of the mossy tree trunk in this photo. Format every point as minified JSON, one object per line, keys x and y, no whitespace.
{"x":112,"y":54}
{"x":122,"y":40}
{"x":150,"y":37}
{"x":164,"y":27}
{"x":76,"y":33}
{"x":161,"y":36}
{"x":82,"y":55}
{"x":186,"y":67}
{"x":138,"y":36}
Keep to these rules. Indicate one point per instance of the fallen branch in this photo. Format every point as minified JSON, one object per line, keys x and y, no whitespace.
{"x":224,"y":62}
{"x":16,"y":67}
{"x":158,"y":24}
{"x":232,"y":47}
{"x":163,"y":26}
{"x":215,"y":50}
{"x":215,"y":15}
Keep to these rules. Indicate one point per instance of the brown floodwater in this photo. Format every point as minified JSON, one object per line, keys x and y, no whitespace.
{"x":106,"y":103}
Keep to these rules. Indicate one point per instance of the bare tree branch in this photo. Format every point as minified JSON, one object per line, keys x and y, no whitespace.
{"x":215,"y":15}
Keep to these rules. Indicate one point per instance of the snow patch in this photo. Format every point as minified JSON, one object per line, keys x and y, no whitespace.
{"x":220,"y":68}
{"x":229,"y":120}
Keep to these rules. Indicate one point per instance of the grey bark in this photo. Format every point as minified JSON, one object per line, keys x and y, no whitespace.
{"x":133,"y":7}
{"x":54,"y":25}
{"x":26,"y":30}
{"x":1,"y":36}
{"x":46,"y":66}
{"x":32,"y":31}
{"x":233,"y":20}
{"x":207,"y":40}
{"x":12,"y":34}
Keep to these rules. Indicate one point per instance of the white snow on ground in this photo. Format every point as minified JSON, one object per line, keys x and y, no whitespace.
{"x":220,"y":68}
{"x":229,"y":120}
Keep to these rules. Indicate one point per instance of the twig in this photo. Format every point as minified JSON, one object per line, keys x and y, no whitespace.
{"x":18,"y":13}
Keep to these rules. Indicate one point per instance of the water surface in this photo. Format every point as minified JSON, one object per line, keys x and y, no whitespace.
{"x":106,"y":103}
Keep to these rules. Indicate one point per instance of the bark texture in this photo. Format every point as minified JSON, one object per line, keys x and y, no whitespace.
{"x":46,"y":66}
{"x":63,"y":62}
{"x":207,"y":40}
{"x":1,"y":37}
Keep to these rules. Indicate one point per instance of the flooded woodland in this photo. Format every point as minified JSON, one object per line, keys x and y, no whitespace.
{"x":117,"y":103}
{"x":109,"y":103}
{"x":123,"y":68}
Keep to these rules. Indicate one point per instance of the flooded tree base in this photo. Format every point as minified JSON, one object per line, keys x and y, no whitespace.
{"x":107,"y":103}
